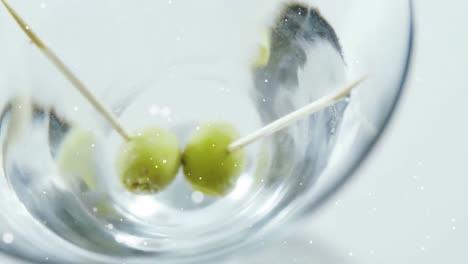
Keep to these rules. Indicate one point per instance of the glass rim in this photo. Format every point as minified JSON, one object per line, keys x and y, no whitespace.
{"x":408,"y":58}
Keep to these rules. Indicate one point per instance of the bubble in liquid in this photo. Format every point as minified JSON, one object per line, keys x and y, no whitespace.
{"x":197,"y":197}
{"x":8,"y":238}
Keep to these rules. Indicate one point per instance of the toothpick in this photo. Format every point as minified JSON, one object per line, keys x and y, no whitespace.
{"x":301,"y":113}
{"x":68,"y":73}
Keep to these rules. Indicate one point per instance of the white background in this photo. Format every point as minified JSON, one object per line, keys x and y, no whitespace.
{"x":408,"y":203}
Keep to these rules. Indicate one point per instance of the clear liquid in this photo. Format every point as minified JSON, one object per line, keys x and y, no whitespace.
{"x":173,"y":73}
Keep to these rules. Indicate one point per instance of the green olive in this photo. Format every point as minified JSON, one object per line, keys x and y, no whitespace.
{"x":76,"y":156}
{"x":208,"y":166}
{"x":149,"y":161}
{"x":264,"y":51}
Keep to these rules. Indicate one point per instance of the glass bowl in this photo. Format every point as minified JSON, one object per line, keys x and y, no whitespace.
{"x":176,"y":64}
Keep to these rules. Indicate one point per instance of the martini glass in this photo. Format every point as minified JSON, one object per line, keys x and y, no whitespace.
{"x":176,"y":64}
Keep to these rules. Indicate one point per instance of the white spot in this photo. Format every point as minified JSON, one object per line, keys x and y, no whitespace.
{"x":311,"y":242}
{"x":8,"y":238}
{"x":350,"y":254}
{"x":266,"y":81}
{"x":165,"y":111}
{"x":75,"y":108}
{"x":197,"y":197}
{"x":145,"y":243}
{"x":153,"y":110}
{"x":164,"y":161}
{"x":144,"y":206}
{"x":242,"y":188}
{"x":110,"y":226}
{"x":95,"y":209}
{"x":43,"y":5}
{"x":119,"y":239}
{"x":169,"y":2}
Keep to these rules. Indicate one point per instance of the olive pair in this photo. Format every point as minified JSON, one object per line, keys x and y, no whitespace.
{"x":149,"y":162}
